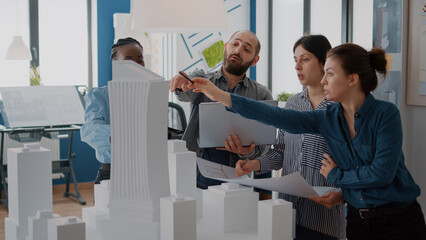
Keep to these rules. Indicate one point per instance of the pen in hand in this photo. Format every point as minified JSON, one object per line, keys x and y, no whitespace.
{"x":247,"y":163}
{"x":187,"y":78}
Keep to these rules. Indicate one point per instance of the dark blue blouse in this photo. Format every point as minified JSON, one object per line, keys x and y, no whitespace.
{"x":371,"y":169}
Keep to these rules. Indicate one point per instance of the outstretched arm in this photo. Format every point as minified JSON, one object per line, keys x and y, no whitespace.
{"x":203,"y":85}
{"x":290,"y":120}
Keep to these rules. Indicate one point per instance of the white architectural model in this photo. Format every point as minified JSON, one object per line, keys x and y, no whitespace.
{"x":183,"y":172}
{"x":30,"y":187}
{"x":140,"y":175}
{"x":178,"y":218}
{"x":93,"y":215}
{"x":139,"y":172}
{"x":230,"y":208}
{"x":66,"y":228}
{"x":182,"y":164}
{"x":275,"y":220}
{"x":37,"y":225}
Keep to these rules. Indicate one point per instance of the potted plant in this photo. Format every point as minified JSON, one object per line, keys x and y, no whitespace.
{"x":35,"y":78}
{"x":282,"y":98}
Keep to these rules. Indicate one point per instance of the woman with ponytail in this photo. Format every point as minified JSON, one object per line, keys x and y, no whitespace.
{"x":364,"y":139}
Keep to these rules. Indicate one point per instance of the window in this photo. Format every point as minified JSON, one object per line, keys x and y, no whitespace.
{"x":287,"y":27}
{"x":326,"y":19}
{"x":63,"y":42}
{"x":362,"y":23}
{"x":63,"y":45}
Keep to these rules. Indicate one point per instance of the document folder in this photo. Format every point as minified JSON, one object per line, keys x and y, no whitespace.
{"x":216,"y":124}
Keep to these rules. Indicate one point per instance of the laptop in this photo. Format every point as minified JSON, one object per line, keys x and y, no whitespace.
{"x":216,"y":124}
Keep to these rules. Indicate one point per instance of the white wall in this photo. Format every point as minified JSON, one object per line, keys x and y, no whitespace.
{"x":415,"y":137}
{"x":414,"y":117}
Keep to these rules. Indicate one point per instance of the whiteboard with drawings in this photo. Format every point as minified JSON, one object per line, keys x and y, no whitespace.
{"x":39,"y":106}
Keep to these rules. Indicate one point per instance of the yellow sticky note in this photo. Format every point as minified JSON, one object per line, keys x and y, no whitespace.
{"x":389,"y":62}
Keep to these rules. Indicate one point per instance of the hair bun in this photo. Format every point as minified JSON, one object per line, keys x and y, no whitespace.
{"x":378,"y":60}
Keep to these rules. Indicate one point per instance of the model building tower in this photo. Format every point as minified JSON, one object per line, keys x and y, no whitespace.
{"x":139,"y":171}
{"x":30,"y":187}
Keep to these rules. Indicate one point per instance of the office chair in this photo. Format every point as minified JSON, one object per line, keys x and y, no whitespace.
{"x":176,"y":121}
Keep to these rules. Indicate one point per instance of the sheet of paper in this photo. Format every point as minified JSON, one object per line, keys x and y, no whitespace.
{"x":321,"y":190}
{"x":293,"y":184}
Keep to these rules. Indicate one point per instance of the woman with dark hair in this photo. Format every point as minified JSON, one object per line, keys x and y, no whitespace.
{"x":303,"y":153}
{"x":96,"y":129}
{"x":364,"y":139}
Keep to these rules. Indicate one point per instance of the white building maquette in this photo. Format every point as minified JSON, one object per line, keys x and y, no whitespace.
{"x":139,"y":170}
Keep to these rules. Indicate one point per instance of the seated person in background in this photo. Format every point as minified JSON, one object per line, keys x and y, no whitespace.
{"x":240,"y":53}
{"x":96,"y":129}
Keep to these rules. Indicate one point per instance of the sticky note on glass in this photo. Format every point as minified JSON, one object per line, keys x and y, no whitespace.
{"x":388,"y":62}
{"x":214,"y":53}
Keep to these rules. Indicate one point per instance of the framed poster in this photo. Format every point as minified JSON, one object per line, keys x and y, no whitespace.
{"x":416,"y":67}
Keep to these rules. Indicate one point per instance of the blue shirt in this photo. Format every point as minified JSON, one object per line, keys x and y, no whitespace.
{"x":371,"y":169}
{"x":96,"y":130}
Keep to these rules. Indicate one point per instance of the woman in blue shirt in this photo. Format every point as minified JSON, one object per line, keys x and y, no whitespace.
{"x":364,"y":139}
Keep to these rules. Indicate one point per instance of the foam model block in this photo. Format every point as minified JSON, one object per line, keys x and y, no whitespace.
{"x":178,"y":218}
{"x":275,"y":220}
{"x":66,"y":228}
{"x":37,"y":225}
{"x":92,"y":215}
{"x":30,"y":187}
{"x":139,"y":167}
{"x":183,"y":172}
{"x":229,"y":208}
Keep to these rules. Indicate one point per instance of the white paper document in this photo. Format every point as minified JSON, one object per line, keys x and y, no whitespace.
{"x":292,"y":184}
{"x":216,"y":124}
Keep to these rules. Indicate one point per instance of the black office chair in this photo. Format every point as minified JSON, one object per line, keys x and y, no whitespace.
{"x":176,"y":123}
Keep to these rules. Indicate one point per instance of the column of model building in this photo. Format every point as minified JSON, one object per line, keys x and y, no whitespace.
{"x":139,"y":173}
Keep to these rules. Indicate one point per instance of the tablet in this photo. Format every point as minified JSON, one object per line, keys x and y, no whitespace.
{"x":216,"y":124}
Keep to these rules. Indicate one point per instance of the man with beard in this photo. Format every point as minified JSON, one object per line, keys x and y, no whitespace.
{"x":240,"y":53}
